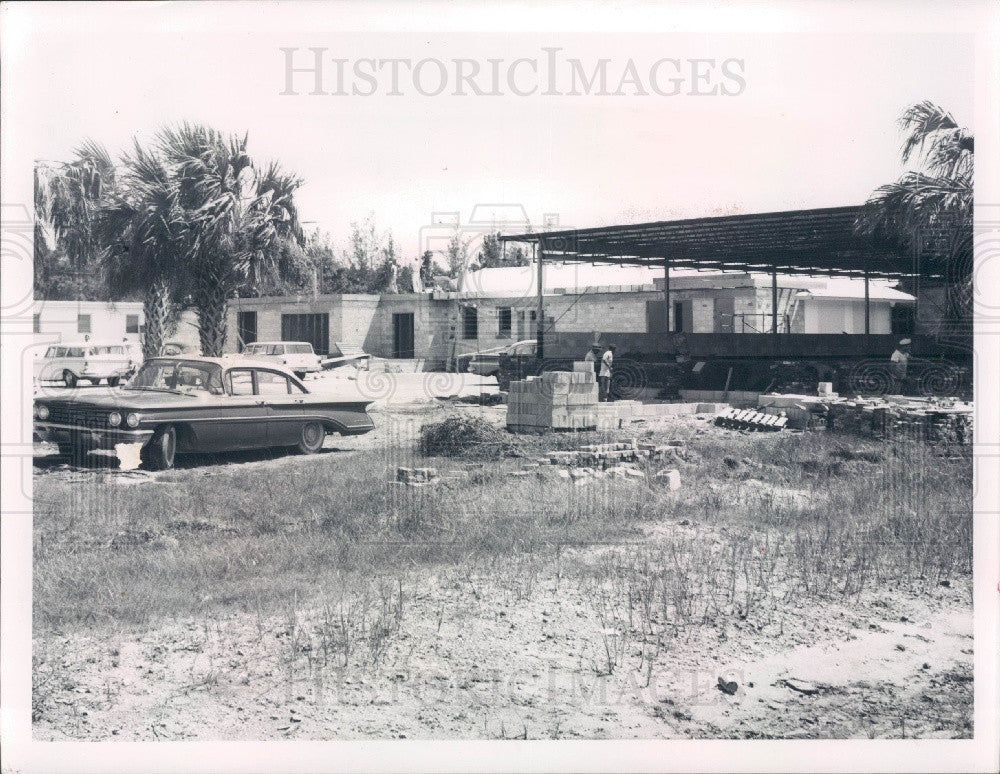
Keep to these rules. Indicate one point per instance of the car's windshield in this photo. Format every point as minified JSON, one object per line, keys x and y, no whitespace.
{"x":179,"y":376}
{"x":300,"y":349}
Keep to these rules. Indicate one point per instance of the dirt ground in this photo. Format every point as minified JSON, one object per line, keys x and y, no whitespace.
{"x":509,"y":650}
{"x":476,"y":661}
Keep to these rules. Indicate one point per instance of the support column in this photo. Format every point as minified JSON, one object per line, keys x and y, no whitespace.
{"x":868,"y":311}
{"x":774,"y":300}
{"x":666,"y":294}
{"x":540,"y":312}
{"x":774,"y":308}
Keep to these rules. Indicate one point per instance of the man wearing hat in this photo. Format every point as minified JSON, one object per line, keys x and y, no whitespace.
{"x":900,"y":358}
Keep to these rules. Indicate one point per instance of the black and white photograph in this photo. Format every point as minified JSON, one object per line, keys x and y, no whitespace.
{"x":481,"y":387}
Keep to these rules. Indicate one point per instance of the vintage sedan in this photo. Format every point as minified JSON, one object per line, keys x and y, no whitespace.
{"x":199,"y":404}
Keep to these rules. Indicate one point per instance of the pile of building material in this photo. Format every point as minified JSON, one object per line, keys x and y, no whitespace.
{"x":604,"y":455}
{"x":417,"y":476}
{"x":753,"y":421}
{"x":899,"y":417}
{"x":593,"y":462}
{"x":556,"y":400}
{"x":804,"y":412}
{"x":560,"y":400}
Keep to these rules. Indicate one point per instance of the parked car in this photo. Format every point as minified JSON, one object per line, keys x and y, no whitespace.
{"x":70,"y":362}
{"x":487,"y":362}
{"x":199,"y":404}
{"x":297,"y":356}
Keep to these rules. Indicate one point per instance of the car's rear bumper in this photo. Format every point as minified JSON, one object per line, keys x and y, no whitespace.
{"x":103,"y":374}
{"x":55,"y":432}
{"x":356,"y":430}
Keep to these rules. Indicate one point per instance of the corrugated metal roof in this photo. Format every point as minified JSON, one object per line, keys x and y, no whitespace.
{"x":812,"y":242}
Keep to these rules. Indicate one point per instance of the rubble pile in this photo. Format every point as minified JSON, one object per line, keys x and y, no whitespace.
{"x":417,"y":476}
{"x":604,"y":455}
{"x":556,"y":400}
{"x":609,"y":461}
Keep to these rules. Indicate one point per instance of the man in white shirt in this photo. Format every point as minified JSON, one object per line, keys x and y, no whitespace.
{"x":898,"y":362}
{"x":604,"y":379}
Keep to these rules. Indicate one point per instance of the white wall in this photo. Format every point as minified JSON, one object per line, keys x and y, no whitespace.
{"x":58,"y":320}
{"x":833,"y":315}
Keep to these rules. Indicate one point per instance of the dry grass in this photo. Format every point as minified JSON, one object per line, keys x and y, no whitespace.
{"x":787,"y":517}
{"x":332,"y":558}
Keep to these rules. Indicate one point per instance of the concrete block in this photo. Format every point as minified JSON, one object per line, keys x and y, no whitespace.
{"x":557,"y":377}
{"x":670,"y":477}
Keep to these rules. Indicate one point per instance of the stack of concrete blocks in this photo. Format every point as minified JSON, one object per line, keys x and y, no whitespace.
{"x":557,"y":400}
{"x":898,"y":418}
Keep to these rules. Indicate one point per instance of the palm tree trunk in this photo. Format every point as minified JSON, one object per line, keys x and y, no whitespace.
{"x":211,"y":304}
{"x":156,"y":307}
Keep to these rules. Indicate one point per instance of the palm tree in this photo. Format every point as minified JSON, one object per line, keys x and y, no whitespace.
{"x":237,"y":216}
{"x":145,"y":232}
{"x":68,"y":198}
{"x":930,"y":208}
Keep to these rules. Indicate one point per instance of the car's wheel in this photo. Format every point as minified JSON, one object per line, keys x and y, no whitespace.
{"x":94,"y":382}
{"x":312,"y":437}
{"x":159,"y":453}
{"x":69,"y":378}
{"x":113,"y":381}
{"x":300,"y":374}
{"x":66,"y":449}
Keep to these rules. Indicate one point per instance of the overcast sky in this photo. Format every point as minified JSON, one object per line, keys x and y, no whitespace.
{"x":813,"y":126}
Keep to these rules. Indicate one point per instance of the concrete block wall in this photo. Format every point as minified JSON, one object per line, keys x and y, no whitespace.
{"x":703,"y":315}
{"x":431,"y":326}
{"x":352,"y":322}
{"x":269,"y":312}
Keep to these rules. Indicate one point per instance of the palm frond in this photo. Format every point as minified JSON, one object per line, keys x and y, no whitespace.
{"x":920,"y":122}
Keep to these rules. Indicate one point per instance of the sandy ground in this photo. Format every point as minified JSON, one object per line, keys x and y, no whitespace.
{"x":484,"y":656}
{"x":509,"y":650}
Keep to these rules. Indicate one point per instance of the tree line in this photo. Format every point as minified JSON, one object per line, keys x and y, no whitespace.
{"x":191,"y":220}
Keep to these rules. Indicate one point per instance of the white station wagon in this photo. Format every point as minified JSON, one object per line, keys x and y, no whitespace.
{"x":69,"y":362}
{"x":297,"y":356}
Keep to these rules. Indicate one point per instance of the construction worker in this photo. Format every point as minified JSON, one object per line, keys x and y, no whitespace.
{"x":604,"y":380}
{"x":898,"y":363}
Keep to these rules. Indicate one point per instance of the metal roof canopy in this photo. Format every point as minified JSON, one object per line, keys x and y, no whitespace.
{"x":813,"y":242}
